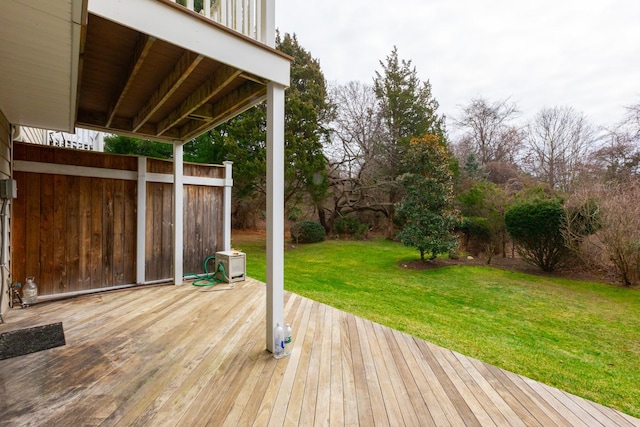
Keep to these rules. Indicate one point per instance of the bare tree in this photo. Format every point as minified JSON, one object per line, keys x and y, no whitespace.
{"x":356,"y":128}
{"x":603,"y":228}
{"x":558,"y":143}
{"x":354,"y":153}
{"x":371,"y":132}
{"x":618,"y":159}
{"x":488,"y":131}
{"x":632,"y":121}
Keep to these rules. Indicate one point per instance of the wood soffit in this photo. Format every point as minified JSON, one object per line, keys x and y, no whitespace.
{"x":134,"y":84}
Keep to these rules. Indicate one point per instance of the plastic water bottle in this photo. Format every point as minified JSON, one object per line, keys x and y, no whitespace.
{"x":287,"y":340}
{"x":278,"y":342}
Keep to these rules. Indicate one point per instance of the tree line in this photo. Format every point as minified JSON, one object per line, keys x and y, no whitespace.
{"x":378,"y":156}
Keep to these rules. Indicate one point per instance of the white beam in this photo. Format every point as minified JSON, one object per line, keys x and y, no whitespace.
{"x":275,"y":209}
{"x":198,"y":34}
{"x":226,"y":216}
{"x":178,"y":212}
{"x":141,"y":221}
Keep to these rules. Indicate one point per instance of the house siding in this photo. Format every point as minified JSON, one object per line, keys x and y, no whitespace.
{"x":5,"y":172}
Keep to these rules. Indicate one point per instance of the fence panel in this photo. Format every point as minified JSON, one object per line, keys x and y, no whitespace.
{"x":78,"y":233}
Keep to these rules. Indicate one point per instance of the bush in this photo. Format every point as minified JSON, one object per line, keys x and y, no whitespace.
{"x":477,"y":234}
{"x":536,"y":227}
{"x":350,"y":226}
{"x":308,"y":232}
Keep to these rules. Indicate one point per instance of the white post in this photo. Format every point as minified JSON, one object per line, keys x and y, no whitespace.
{"x":178,"y":212}
{"x":268,"y":24}
{"x":228,"y":183}
{"x":207,"y":9}
{"x":275,"y":209}
{"x":141,"y":219}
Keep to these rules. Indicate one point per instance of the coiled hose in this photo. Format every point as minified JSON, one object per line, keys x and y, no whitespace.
{"x":209,"y":279}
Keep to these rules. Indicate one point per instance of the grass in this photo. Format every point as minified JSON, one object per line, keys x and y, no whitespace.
{"x":582,"y":337}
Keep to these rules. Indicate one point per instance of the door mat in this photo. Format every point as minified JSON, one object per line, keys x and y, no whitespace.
{"x":30,"y":340}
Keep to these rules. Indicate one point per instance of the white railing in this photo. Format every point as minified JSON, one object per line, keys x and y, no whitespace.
{"x":249,"y":17}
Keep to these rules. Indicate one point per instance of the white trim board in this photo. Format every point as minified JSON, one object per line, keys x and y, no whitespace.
{"x":85,"y":171}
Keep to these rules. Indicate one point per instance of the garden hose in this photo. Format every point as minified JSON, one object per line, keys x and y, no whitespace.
{"x":209,"y":279}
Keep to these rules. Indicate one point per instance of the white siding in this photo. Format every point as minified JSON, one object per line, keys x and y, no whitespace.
{"x":82,"y":139}
{"x":5,"y":172}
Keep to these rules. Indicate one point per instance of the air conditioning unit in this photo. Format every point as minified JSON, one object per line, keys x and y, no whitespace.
{"x":234,"y":263}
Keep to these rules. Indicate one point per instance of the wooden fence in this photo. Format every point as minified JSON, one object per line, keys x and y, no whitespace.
{"x":75,"y":221}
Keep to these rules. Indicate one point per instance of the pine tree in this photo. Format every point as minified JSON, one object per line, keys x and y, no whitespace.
{"x":408,"y":110}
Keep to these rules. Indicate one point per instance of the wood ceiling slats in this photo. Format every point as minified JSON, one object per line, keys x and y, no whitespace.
{"x":137,"y":85}
{"x":183,"y":69}
{"x":232,"y":104}
{"x":214,"y":85}
{"x":137,"y":59}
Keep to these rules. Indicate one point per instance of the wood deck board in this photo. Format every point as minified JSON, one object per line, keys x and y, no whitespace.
{"x":183,"y":356}
{"x":300,"y":358}
{"x":309,"y":400}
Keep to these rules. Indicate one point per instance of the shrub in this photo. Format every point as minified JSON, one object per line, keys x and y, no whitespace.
{"x":350,"y":226}
{"x":307,"y":232}
{"x":477,"y":233}
{"x":536,"y":228}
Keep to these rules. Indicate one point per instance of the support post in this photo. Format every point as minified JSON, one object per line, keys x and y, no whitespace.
{"x":228,"y":183}
{"x":141,"y":222}
{"x":178,"y":213}
{"x":275,"y":209}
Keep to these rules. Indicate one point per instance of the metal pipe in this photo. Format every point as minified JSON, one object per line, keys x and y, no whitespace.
{"x":42,"y":298}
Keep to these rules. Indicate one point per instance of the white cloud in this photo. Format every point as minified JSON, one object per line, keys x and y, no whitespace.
{"x":584,"y":54}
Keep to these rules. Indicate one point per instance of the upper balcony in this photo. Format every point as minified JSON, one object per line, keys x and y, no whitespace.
{"x":154,"y":69}
{"x":248,"y":17}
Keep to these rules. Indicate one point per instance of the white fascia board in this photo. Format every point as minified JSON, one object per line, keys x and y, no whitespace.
{"x":197,"y":35}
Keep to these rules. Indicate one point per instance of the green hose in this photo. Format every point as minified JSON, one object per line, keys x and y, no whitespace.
{"x":209,"y":279}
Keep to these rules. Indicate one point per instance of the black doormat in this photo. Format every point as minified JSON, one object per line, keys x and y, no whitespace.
{"x":30,"y":340}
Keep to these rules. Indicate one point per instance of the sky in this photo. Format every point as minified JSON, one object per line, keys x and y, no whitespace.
{"x":583,"y":54}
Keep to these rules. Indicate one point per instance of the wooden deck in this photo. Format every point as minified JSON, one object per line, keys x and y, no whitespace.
{"x":186,"y":356}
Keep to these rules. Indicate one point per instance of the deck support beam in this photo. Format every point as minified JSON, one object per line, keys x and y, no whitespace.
{"x":141,"y":249}
{"x":275,"y":209}
{"x":226,"y":201}
{"x":178,"y":212}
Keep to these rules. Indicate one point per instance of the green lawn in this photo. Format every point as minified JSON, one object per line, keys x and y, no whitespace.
{"x":582,"y":337}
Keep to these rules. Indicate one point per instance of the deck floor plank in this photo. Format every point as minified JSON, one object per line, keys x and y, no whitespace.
{"x":304,"y":336}
{"x":350,"y":395}
{"x":309,"y":400}
{"x":450,"y":389}
{"x":336,"y":390}
{"x":363,"y":400}
{"x":374,"y":388}
{"x":390,"y":357}
{"x":403,"y":359}
{"x":178,"y":355}
{"x":513,"y":397}
{"x":323,"y":396}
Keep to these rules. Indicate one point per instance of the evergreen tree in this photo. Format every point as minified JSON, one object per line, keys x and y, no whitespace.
{"x":139,"y":147}
{"x":426,"y":211}
{"x":408,"y":110}
{"x":243,"y":139}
